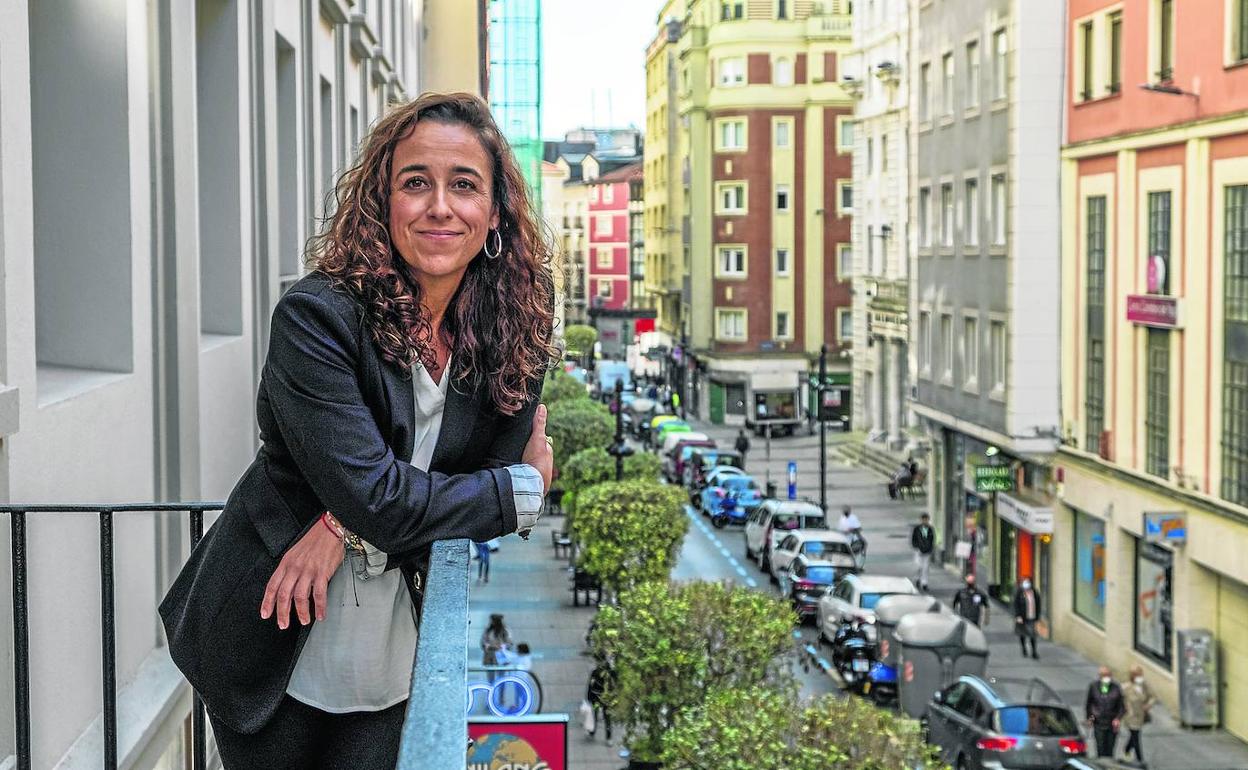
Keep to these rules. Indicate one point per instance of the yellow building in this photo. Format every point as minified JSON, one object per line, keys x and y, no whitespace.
{"x":743,"y":222}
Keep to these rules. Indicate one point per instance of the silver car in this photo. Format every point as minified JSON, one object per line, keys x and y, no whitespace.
{"x":1003,"y":724}
{"x":855,"y":596}
{"x":819,"y":544}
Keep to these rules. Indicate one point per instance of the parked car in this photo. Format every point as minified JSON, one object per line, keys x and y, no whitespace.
{"x":706,"y":461}
{"x":712,"y":477}
{"x":672,"y":438}
{"x":607,"y":373}
{"x":821,"y":544}
{"x":743,"y":487}
{"x":995,"y":723}
{"x":674,"y":460}
{"x":806,"y":580}
{"x":658,"y":437}
{"x":772,"y":519}
{"x":855,"y":596}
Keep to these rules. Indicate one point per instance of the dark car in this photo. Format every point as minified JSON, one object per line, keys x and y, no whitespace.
{"x":1003,"y":724}
{"x":805,"y":580}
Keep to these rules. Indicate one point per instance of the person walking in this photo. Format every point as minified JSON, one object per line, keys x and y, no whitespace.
{"x":398,"y":407}
{"x":742,"y":445}
{"x":483,"y":562}
{"x":1027,"y":604}
{"x":601,"y":681}
{"x":495,"y":643}
{"x":971,"y":603}
{"x":923,"y":541}
{"x":851,"y":528}
{"x":1139,"y":703}
{"x":1104,"y":708}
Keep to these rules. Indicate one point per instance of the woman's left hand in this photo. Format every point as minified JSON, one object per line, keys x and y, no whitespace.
{"x":305,"y":569}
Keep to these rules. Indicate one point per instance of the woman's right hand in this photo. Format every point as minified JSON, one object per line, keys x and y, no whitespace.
{"x":305,"y":570}
{"x":538,"y":452}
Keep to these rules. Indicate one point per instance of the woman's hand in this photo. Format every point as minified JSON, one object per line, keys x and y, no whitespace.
{"x":538,"y":452}
{"x":305,"y":569}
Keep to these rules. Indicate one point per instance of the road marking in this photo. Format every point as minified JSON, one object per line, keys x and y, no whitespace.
{"x":751,"y":582}
{"x":741,"y":570}
{"x":727,"y":556}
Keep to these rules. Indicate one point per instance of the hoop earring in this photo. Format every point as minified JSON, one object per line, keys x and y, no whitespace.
{"x":498,"y":248}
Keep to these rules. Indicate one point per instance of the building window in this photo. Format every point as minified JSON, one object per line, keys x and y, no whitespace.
{"x":925,"y":215}
{"x":731,"y":260}
{"x":946,"y":93}
{"x":732,"y":135}
{"x":1159,"y":242}
{"x":845,"y":324}
{"x":1115,"y":52}
{"x":925,"y":91}
{"x":1000,"y":64}
{"x":972,"y":74}
{"x":605,"y":258}
{"x":946,"y":348}
{"x":996,"y":350}
{"x":1154,"y":610}
{"x":998,"y":210}
{"x":782,"y":261}
{"x":731,"y":199}
{"x":925,"y":343}
{"x":782,"y":134}
{"x":1157,"y":416}
{"x":604,"y":289}
{"x":783,"y":198}
{"x":970,"y":352}
{"x":1094,"y":406}
{"x":1240,"y":30}
{"x":1235,"y":348}
{"x":845,"y":198}
{"x":1165,"y":39}
{"x":782,"y":325}
{"x":732,"y":71}
{"x":870,"y":155}
{"x":732,"y":10}
{"x":1086,"y":51}
{"x":970,"y":213}
{"x":845,"y":262}
{"x":783,"y":72}
{"x":946,"y":215}
{"x":731,"y":324}
{"x":845,"y":136}
{"x":782,"y":9}
{"x":884,"y":153}
{"x":870,"y":249}
{"x":1089,"y":583}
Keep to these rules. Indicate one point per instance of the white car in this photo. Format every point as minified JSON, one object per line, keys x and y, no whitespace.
{"x":822,"y":545}
{"x":712,"y":478}
{"x":855,"y":596}
{"x":775,"y":518}
{"x":672,"y":439}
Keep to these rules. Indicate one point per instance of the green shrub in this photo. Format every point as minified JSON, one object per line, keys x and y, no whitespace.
{"x":629,"y":531}
{"x":594,"y":465}
{"x":579,"y":339}
{"x":672,"y":644}
{"x":562,"y":387}
{"x":578,"y":424}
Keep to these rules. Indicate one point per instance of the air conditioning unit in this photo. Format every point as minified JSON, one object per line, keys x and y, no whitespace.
{"x":887,"y":70}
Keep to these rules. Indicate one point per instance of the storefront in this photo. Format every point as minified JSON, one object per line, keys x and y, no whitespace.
{"x":1024,"y":534}
{"x":1088,"y":545}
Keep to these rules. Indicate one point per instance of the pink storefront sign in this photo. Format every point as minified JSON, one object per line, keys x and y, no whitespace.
{"x":1153,"y":310}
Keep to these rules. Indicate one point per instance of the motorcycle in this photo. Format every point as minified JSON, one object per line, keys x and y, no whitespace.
{"x":854,"y":657}
{"x":729,"y":512}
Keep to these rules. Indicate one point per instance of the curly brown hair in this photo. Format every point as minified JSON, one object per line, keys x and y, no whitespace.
{"x":501,"y":319}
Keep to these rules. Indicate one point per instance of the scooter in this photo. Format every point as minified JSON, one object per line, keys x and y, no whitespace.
{"x":729,"y":512}
{"x":854,"y":656}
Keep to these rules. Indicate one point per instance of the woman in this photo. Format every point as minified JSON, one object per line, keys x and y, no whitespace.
{"x":494,"y":640}
{"x":398,"y":406}
{"x":1139,"y":699}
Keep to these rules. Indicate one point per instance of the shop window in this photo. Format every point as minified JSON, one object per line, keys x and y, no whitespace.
{"x":1157,"y":417}
{"x":1154,"y":629}
{"x":1089,"y":599}
{"x":1094,"y":405}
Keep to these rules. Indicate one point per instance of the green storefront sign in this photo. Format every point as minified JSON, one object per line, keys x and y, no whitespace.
{"x":994,"y":478}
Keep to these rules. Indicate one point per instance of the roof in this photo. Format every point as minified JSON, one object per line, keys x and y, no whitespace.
{"x":819,"y":534}
{"x":797,"y":506}
{"x":621,"y":174}
{"x":1010,"y":691}
{"x":884,"y":584}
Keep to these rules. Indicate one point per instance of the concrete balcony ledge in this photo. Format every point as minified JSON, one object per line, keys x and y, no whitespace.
{"x":363,"y":37}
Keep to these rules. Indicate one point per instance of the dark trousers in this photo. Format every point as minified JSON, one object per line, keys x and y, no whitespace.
{"x":1135,"y":742}
{"x":300,"y":737}
{"x":1026,"y":631}
{"x":1106,"y":736}
{"x":600,"y":709}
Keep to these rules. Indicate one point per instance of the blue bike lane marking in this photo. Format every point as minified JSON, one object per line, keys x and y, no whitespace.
{"x":715,"y":541}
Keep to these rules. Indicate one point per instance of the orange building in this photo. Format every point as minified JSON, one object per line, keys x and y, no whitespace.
{"x":1153,"y":473}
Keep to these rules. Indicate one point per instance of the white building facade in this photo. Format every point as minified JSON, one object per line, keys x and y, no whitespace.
{"x":162,"y":164}
{"x":877,"y":73}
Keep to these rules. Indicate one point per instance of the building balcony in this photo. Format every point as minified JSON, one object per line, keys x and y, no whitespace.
{"x":434,"y":734}
{"x":826,"y":26}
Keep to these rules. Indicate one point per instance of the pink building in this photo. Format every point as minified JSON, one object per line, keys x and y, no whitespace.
{"x":607,"y":262}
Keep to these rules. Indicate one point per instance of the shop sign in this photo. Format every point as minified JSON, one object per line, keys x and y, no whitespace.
{"x":1153,"y":310}
{"x":537,"y":742}
{"x":1037,"y":521}
{"x":1165,"y":527}
{"x":994,"y":478}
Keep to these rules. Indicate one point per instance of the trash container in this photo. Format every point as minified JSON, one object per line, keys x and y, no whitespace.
{"x":935,"y":650}
{"x":889,"y":612}
{"x":771,"y":490}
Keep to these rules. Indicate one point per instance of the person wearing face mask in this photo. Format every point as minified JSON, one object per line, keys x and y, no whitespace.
{"x":1104,"y":709}
{"x":1026,"y":613}
{"x":971,"y":603}
{"x":1139,"y":702}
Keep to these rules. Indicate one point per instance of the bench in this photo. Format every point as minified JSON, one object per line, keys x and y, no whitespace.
{"x":582,"y":581}
{"x":562,"y":543}
{"x":914,"y":486}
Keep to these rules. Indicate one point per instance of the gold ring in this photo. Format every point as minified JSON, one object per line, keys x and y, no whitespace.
{"x":550,"y":442}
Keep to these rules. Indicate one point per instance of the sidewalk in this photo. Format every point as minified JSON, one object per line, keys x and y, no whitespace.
{"x":1168,"y":746}
{"x":532,"y":590}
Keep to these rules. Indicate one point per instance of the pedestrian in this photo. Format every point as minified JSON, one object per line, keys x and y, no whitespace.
{"x":495,"y":639}
{"x":742,"y":445}
{"x":1104,"y":709}
{"x":428,"y":307}
{"x":483,"y":562}
{"x":903,"y":477}
{"x":923,"y":541}
{"x":851,"y":527}
{"x":1027,"y":604}
{"x":1139,"y":702}
{"x":601,"y":682}
{"x":971,"y":603}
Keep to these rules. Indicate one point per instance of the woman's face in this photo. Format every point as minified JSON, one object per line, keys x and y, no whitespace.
{"x":441,"y":200}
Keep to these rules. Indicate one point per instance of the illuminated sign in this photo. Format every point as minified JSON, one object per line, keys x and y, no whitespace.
{"x":511,"y":694}
{"x":1165,"y":527}
{"x":1153,"y":310}
{"x":994,"y":478}
{"x":535,"y":742}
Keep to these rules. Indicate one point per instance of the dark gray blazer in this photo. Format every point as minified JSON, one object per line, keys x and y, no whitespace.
{"x":336,"y":432}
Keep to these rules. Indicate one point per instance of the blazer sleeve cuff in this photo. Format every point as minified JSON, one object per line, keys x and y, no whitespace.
{"x":506,"y":499}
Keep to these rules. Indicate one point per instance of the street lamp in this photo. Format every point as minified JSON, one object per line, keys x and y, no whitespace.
{"x":619,"y":449}
{"x":684,"y":371}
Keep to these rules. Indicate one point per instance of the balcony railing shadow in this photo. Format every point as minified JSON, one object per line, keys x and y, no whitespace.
{"x":435,"y":730}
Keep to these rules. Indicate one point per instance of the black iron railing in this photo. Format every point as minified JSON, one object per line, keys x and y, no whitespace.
{"x":436,"y":730}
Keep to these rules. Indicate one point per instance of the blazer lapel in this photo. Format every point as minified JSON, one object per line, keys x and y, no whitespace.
{"x":459,"y":415}
{"x":401,"y":396}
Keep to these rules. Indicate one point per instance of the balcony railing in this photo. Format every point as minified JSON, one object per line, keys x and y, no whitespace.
{"x":435,"y":731}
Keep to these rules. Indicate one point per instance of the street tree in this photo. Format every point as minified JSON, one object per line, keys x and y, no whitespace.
{"x":629,"y":531}
{"x":594,"y":465}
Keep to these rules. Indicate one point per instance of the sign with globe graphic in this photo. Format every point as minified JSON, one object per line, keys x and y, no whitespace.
{"x":537,"y":742}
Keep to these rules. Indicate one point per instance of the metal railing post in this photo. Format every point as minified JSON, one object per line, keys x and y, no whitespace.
{"x":21,"y":640}
{"x":108,"y":639}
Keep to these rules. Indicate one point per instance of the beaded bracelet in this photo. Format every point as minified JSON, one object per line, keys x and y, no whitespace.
{"x":349,"y":539}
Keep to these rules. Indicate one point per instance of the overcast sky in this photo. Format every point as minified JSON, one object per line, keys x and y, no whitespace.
{"x":594,"y":63}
